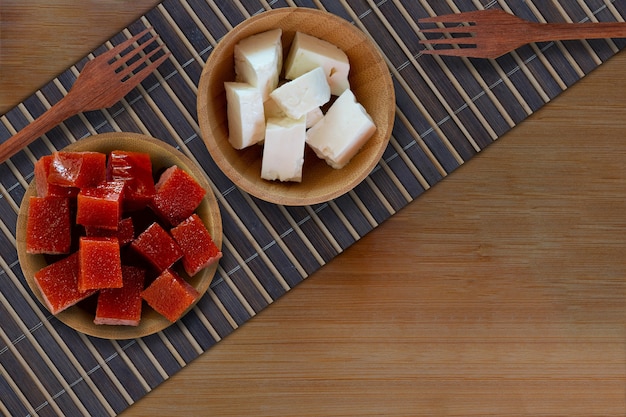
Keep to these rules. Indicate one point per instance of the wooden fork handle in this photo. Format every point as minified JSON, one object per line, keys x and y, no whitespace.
{"x":62,"y":110}
{"x":544,"y":32}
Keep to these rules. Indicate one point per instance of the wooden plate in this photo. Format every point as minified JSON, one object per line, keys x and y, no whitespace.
{"x":369,"y":80}
{"x":163,"y":155}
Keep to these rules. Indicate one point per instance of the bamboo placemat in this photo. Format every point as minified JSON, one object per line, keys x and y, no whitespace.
{"x":448,"y":109}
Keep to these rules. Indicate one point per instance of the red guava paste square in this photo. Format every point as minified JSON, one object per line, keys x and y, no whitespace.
{"x":170,"y":295}
{"x":122,"y":306}
{"x":44,"y":188}
{"x":100,"y":264}
{"x":157,"y":247}
{"x":125,"y":232}
{"x":58,"y":283}
{"x":100,"y":206}
{"x":135,"y":170}
{"x":77,"y":169}
{"x":48,"y":226}
{"x":199,"y":250}
{"x":177,"y":195}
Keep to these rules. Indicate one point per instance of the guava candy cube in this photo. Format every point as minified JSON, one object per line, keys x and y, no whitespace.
{"x":170,"y":295}
{"x":177,"y":196}
{"x":99,"y":263}
{"x":48,"y":226}
{"x":100,"y":206}
{"x":58,"y":284}
{"x":157,"y":247}
{"x":77,"y":169}
{"x":199,"y":250}
{"x":125,"y":232}
{"x":135,"y":170}
{"x":44,"y":188}
{"x":122,"y":306}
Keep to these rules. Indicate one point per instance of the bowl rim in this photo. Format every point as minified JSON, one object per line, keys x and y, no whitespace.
{"x":231,"y":172}
{"x":76,"y":317}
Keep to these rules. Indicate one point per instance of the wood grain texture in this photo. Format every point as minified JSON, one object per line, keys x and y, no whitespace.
{"x":40,"y":39}
{"x":320,"y":182}
{"x":102,"y":82}
{"x":495,"y":32}
{"x":498,"y":292}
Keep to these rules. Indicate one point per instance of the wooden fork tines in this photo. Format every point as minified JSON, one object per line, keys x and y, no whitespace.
{"x":104,"y":81}
{"x":494,"y":32}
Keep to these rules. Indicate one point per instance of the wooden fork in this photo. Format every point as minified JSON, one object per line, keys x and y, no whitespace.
{"x":104,"y":81}
{"x":494,"y":32}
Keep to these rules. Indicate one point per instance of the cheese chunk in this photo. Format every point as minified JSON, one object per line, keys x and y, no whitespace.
{"x":343,"y":130}
{"x":283,"y":151}
{"x":303,"y":94}
{"x":259,"y":60}
{"x":307,"y":52}
{"x":246,"y":118}
{"x":272,"y":110}
{"x":313,"y":117}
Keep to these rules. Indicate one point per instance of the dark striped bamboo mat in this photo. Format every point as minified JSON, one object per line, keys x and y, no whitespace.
{"x":448,"y":109}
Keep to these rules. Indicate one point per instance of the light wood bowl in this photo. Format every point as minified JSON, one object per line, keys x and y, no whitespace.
{"x":163,"y":155}
{"x":370,"y":81}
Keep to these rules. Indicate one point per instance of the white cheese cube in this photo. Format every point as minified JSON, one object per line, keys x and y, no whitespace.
{"x":259,"y":60}
{"x":283,"y":151}
{"x":246,"y":118}
{"x":343,"y":130}
{"x":272,"y":109}
{"x":307,"y":52}
{"x":301,"y":95}
{"x":313,"y":117}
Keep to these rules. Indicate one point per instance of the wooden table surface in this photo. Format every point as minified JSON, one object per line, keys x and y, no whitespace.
{"x":498,"y":292}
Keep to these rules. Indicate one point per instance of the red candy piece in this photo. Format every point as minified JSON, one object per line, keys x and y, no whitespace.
{"x":177,"y":196}
{"x":156,"y":246}
{"x":97,"y":193}
{"x":122,"y":306}
{"x":170,"y":295}
{"x":77,"y":169}
{"x":125,"y":232}
{"x":99,"y":263}
{"x":199,"y":250}
{"x":58,"y":283}
{"x":48,"y":228}
{"x":44,"y":188}
{"x":135,"y":170}
{"x":100,"y":206}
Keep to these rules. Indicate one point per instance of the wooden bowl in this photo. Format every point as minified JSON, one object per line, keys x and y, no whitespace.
{"x":79,"y":316}
{"x":369,"y":80}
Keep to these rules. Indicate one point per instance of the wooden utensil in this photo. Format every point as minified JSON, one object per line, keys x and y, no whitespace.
{"x":492,"y":33}
{"x":104,"y":81}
